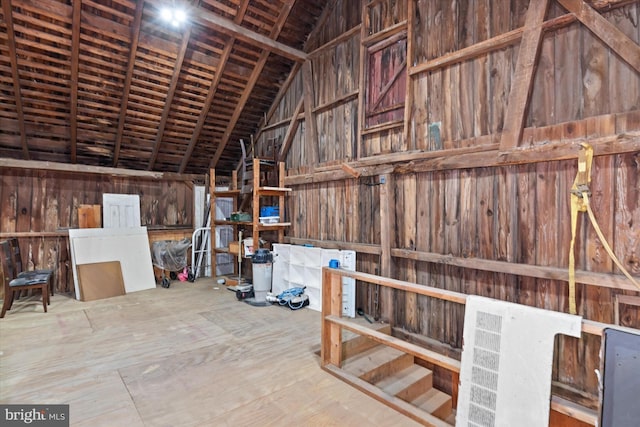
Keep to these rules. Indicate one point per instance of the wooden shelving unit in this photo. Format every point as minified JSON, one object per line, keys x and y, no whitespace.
{"x":258,"y":192}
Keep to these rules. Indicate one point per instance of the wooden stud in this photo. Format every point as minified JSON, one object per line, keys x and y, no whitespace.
{"x":75,"y":53}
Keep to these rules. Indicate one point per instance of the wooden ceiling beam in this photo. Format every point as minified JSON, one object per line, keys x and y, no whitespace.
{"x":613,"y":37}
{"x":135,"y":36}
{"x":208,"y":19}
{"x":170,"y":94}
{"x":11,"y":41}
{"x":282,"y":18}
{"x":226,"y":53}
{"x":75,"y":59}
{"x":522,"y":82}
{"x":101,"y":170}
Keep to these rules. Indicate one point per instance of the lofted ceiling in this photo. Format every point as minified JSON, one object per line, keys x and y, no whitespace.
{"x":108,"y":83}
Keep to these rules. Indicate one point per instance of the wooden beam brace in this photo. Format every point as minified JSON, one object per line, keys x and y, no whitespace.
{"x":291,"y":132}
{"x":224,"y":58}
{"x":7,"y":11}
{"x":522,"y":82}
{"x":75,"y":59}
{"x":173,"y":84}
{"x":311,"y":127}
{"x":135,"y":36}
{"x":606,"y":31}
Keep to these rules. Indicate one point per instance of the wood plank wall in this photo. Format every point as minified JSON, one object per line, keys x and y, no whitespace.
{"x":452,"y":195}
{"x":39,"y":206}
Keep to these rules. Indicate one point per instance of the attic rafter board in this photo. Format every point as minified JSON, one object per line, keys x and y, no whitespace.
{"x":88,"y":82}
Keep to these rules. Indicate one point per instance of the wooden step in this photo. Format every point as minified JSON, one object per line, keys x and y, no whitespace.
{"x":434,"y":402}
{"x":353,"y":343}
{"x":407,"y":384}
{"x":377,"y":363}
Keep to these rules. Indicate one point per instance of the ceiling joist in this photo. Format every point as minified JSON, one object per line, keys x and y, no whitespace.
{"x":75,"y":60}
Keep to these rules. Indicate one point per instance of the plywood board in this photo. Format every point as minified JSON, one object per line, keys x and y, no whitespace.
{"x":100,"y":280}
{"x":130,"y":246}
{"x":89,"y":216}
{"x":505,"y":373}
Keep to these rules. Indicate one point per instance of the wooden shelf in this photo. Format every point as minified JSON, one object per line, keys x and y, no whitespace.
{"x":275,"y":226}
{"x":226,"y":193}
{"x":254,"y":225}
{"x":225,"y":222}
{"x":273,"y":191}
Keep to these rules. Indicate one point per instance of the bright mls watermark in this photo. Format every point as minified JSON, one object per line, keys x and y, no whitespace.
{"x":34,"y":415}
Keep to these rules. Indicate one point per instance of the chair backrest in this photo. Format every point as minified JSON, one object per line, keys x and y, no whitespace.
{"x":17,"y":257}
{"x":6,"y":261}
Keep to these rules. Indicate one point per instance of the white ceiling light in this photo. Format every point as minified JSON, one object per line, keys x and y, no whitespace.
{"x":173,"y":15}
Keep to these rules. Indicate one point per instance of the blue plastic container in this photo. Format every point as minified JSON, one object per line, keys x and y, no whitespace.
{"x":269,"y":211}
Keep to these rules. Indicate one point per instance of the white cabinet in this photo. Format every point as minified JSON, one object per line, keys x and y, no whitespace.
{"x":300,"y":266}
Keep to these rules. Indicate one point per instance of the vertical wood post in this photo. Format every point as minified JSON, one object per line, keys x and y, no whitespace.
{"x":256,"y":205}
{"x":212,"y":218}
{"x":331,"y":348}
{"x":408,"y":102}
{"x":281,"y":174}
{"x":387,"y":236}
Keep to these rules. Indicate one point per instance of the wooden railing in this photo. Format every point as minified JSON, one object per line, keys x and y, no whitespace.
{"x":333,"y":323}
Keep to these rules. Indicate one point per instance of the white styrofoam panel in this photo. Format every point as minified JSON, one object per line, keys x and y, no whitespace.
{"x":505,"y":375}
{"x":312,"y":257}
{"x":130,"y":246}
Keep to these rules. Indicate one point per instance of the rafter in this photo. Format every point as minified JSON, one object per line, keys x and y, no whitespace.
{"x":282,"y":18}
{"x":522,"y":83}
{"x":135,"y":36}
{"x":170,"y":94}
{"x":226,"y":53}
{"x":606,"y":31}
{"x":75,"y":54}
{"x":11,"y":41}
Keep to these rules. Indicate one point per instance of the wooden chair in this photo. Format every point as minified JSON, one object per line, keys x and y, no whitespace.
{"x":13,"y":284}
{"x":17,"y":262}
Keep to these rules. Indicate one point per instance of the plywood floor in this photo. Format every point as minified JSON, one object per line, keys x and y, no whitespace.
{"x":190,"y":355}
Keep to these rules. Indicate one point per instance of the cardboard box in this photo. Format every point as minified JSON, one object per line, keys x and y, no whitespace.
{"x":247,"y":247}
